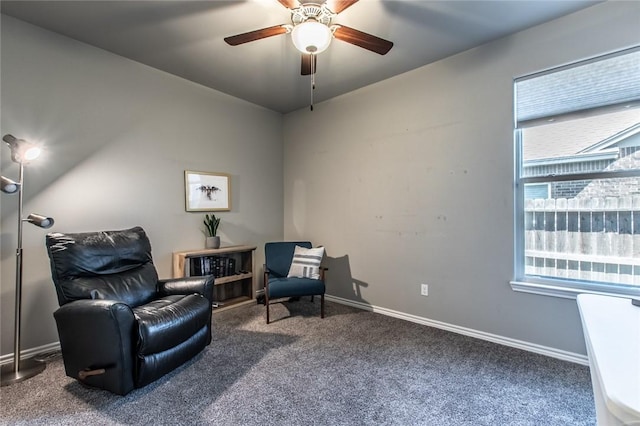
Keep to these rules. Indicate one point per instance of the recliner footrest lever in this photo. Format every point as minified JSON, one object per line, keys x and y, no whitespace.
{"x":86,"y":373}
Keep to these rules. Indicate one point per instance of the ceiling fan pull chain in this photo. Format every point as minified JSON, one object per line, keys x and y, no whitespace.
{"x":313,"y":77}
{"x":311,"y":106}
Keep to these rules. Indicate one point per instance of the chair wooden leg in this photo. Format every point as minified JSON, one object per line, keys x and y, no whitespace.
{"x":266,"y":302}
{"x":322,"y":305}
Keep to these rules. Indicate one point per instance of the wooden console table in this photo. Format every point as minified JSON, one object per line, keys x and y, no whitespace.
{"x":233,"y":267}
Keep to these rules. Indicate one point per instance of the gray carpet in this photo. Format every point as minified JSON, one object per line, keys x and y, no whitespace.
{"x":352,"y":368}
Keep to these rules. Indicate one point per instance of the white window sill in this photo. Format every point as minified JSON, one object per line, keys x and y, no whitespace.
{"x":566,"y":290}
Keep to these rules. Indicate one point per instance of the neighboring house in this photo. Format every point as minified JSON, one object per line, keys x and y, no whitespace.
{"x":599,"y":143}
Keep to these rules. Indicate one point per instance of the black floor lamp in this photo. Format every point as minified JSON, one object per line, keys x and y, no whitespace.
{"x":21,"y":152}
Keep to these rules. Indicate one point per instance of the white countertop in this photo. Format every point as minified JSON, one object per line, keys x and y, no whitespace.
{"x":612,"y":333}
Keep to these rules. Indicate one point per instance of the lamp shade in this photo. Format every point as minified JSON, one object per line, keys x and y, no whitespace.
{"x":39,"y":220}
{"x":21,"y":150}
{"x":9,"y":186}
{"x":311,"y":37}
{"x":30,"y":153}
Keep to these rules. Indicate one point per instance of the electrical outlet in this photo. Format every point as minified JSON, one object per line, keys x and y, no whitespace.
{"x":424,"y":289}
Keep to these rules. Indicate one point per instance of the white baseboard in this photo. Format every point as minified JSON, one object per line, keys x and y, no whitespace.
{"x":506,"y":341}
{"x":30,"y":353}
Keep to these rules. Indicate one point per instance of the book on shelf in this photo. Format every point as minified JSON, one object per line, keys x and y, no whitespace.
{"x":218,"y":266}
{"x":231,"y":266}
{"x":195,"y":267}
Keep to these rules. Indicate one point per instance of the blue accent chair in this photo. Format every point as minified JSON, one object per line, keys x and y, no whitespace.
{"x":278,"y":257}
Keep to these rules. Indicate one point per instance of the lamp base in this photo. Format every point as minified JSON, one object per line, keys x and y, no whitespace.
{"x":27,"y":369}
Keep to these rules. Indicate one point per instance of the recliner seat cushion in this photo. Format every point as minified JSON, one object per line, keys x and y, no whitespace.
{"x":167,"y":322}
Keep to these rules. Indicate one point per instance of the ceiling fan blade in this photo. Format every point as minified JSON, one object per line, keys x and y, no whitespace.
{"x":337,"y":6}
{"x":255,"y":35}
{"x":364,"y":40}
{"x":289,"y":4}
{"x":305,"y":67}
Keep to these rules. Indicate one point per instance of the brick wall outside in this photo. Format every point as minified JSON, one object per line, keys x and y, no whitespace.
{"x":629,"y":158}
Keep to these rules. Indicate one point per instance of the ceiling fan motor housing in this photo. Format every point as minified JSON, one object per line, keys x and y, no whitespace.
{"x":311,"y":32}
{"x":317,"y":12}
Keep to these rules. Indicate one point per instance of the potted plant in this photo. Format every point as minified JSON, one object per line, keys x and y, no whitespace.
{"x":211,"y":224}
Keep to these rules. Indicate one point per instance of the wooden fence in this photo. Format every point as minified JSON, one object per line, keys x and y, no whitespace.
{"x":595,"y":239}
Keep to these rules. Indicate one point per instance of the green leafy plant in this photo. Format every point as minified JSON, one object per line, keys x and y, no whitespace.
{"x":211,"y":224}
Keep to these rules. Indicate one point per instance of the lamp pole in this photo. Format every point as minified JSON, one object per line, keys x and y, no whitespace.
{"x":18,"y":305}
{"x":27,"y":368}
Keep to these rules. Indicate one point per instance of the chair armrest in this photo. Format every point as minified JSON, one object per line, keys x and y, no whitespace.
{"x":268,"y":271}
{"x":99,"y":319}
{"x":187,"y":285}
{"x":265,"y":280}
{"x":96,"y":334}
{"x":323,"y":269}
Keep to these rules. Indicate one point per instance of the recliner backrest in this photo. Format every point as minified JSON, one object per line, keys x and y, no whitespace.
{"x":113,"y":265}
{"x":278,"y":256}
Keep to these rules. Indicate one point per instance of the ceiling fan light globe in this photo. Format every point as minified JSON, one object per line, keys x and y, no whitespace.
{"x":311,"y":37}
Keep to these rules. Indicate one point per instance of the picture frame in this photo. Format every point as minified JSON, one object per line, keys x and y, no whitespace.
{"x":207,"y":192}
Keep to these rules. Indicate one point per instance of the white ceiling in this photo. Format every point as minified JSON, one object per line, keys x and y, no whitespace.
{"x":185,"y":38}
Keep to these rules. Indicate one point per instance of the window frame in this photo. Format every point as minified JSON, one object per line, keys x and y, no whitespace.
{"x":546,"y":285}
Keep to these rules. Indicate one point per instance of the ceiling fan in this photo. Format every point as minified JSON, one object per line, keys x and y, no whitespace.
{"x":311,"y":31}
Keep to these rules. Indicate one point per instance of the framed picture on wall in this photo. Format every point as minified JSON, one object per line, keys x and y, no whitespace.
{"x":207,"y":192}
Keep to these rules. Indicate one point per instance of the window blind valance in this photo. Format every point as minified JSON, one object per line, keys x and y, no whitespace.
{"x":604,"y":82}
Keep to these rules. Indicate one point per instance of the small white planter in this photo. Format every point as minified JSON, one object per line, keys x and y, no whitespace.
{"x":212,"y":242}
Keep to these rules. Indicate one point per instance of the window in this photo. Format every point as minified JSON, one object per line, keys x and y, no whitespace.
{"x":577,"y":208}
{"x":534,"y":191}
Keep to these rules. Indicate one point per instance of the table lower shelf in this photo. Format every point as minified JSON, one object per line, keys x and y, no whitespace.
{"x":233,"y":303}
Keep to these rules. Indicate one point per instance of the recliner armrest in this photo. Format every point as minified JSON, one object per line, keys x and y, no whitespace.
{"x":96,"y":334}
{"x":96,"y":317}
{"x":187,"y":285}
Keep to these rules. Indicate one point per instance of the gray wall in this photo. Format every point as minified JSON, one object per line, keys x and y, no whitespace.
{"x":393,"y":178}
{"x":118,"y":137}
{"x":410,"y":181}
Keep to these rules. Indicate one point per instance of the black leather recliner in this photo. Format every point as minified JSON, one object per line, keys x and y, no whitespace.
{"x":120,"y":327}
